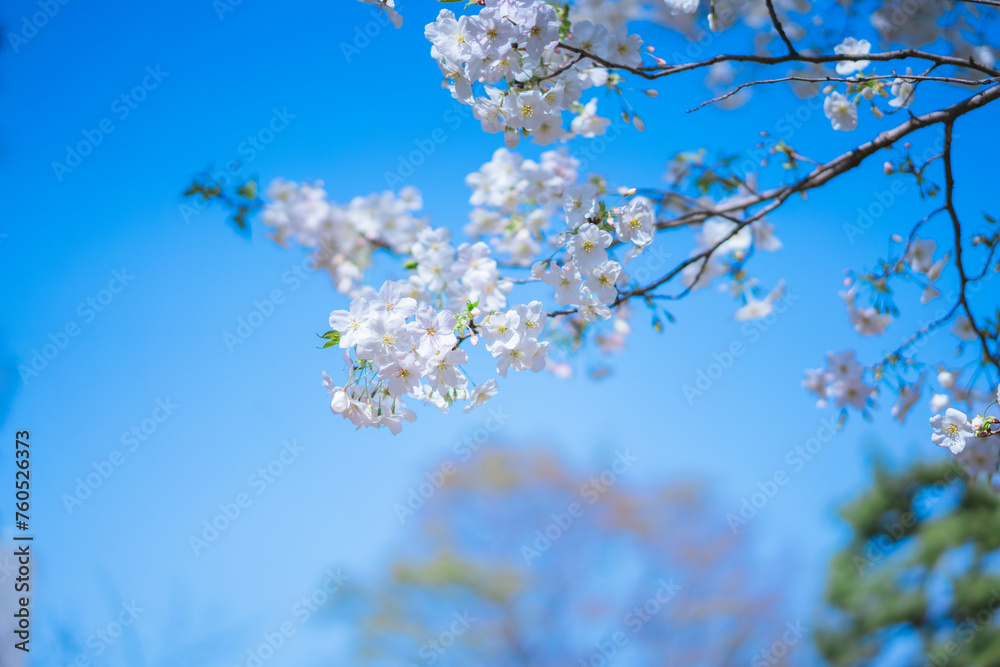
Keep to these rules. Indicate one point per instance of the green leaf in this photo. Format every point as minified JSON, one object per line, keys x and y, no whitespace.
{"x":249,"y":190}
{"x":562,"y":12}
{"x":412,"y":264}
{"x":333,"y":336}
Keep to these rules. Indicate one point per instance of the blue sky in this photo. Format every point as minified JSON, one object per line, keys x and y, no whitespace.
{"x":182,"y":284}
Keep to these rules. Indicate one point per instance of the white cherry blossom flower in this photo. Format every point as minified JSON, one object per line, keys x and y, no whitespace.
{"x":902,"y":89}
{"x":601,"y":281}
{"x":951,"y":430}
{"x":843,"y":114}
{"x":852,"y":47}
{"x":481,"y":393}
{"x":588,"y":246}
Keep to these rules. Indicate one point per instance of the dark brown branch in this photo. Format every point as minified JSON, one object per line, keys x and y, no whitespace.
{"x":819,"y":176}
{"x":949,"y":178}
{"x":657,"y":71}
{"x":780,"y":29}
{"x":833,"y":79}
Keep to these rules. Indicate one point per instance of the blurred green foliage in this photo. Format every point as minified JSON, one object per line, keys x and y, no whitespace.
{"x":920,"y":577}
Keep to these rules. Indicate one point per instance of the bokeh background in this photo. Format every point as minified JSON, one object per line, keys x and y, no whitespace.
{"x":151,"y":289}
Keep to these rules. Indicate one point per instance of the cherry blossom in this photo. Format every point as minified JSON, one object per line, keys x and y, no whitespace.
{"x":843,"y":114}
{"x":951,"y":430}
{"x":852,"y":47}
{"x":553,"y":249}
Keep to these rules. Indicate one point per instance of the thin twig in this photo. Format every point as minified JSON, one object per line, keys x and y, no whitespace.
{"x":833,"y":79}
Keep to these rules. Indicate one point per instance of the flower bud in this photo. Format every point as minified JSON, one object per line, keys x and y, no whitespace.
{"x":340,"y":401}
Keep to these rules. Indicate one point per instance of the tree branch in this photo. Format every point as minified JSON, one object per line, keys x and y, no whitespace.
{"x":780,"y":29}
{"x":819,"y":176}
{"x":657,"y":71}
{"x":833,"y":79}
{"x":949,"y":178}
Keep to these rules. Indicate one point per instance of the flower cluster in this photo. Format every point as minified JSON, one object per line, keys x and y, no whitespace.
{"x":867,"y":321}
{"x":843,"y":380}
{"x":406,"y":339}
{"x":523,"y":66}
{"x":397,"y":346}
{"x":975,"y":442}
{"x":513,"y":49}
{"x":842,"y":108}
{"x":515,"y":200}
{"x":342,"y":238}
{"x":953,"y":392}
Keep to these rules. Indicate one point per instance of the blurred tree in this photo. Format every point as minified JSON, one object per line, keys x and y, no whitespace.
{"x":919,"y":581}
{"x":517,"y":560}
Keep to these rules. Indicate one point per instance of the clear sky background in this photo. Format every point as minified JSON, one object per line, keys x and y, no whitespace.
{"x":161,"y":337}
